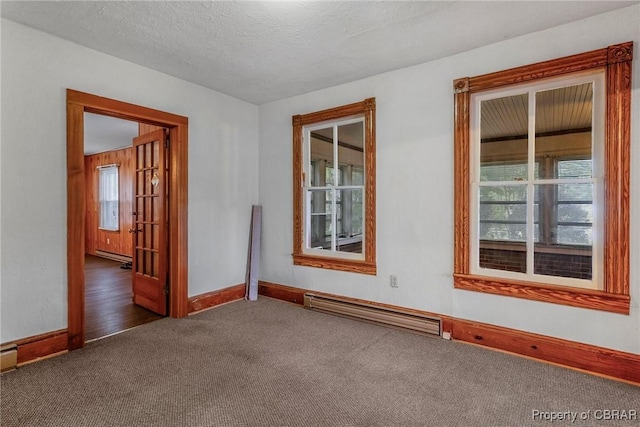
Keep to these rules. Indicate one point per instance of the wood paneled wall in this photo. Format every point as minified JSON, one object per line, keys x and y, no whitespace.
{"x":117,"y":242}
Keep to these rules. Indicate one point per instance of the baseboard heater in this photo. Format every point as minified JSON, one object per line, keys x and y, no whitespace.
{"x":373,"y":313}
{"x":112,"y":256}
{"x":9,"y":357}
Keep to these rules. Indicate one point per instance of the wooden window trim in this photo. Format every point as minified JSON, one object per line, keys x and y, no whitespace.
{"x":367,"y":108}
{"x":616,"y":61}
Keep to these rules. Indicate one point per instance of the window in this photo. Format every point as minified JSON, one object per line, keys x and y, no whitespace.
{"x":533,"y":192}
{"x":334,"y":188}
{"x":108,"y":197}
{"x":542,"y":177}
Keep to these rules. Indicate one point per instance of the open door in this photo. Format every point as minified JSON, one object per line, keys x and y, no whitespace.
{"x":150,"y":253}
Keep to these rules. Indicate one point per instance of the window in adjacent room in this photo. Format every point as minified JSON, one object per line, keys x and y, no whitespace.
{"x":334,"y":188}
{"x":542,"y":174}
{"x":108,"y":197}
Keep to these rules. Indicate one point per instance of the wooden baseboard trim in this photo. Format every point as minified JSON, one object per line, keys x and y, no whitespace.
{"x":38,"y":347}
{"x":588,"y":358}
{"x":211,"y":299}
{"x":585,"y":357}
{"x":281,"y":292}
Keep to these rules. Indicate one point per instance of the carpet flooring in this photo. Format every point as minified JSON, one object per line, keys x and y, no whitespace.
{"x":270,"y":363}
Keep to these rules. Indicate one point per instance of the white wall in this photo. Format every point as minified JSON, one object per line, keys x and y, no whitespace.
{"x":223,"y":161}
{"x":415,"y":183}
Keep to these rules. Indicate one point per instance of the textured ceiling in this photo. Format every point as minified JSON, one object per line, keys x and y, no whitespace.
{"x":264,"y":51}
{"x":104,"y":133}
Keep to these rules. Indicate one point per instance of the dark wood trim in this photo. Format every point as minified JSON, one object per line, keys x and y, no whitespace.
{"x":76,"y":224}
{"x":41,"y":346}
{"x":540,"y":70}
{"x":77,"y":104}
{"x":124,"y":110}
{"x":616,"y":60}
{"x":367,"y":108}
{"x":617,"y":170}
{"x":353,"y":266}
{"x":461,"y":186}
{"x":592,"y":359}
{"x":178,"y":220}
{"x":214,"y":298}
{"x":281,"y":292}
{"x":583,"y":298}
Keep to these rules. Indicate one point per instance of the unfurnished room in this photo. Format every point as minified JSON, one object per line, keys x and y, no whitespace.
{"x":319,"y":213}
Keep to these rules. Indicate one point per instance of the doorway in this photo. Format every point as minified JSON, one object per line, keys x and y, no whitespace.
{"x":77,"y":104}
{"x":112,"y":302}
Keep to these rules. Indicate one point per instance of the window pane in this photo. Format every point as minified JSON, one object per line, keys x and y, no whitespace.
{"x":320,"y":221}
{"x":567,"y":213}
{"x":577,"y":213}
{"x":503,"y":213}
{"x":351,"y":220}
{"x":575,"y":169}
{"x":503,"y":135}
{"x":563,"y":128}
{"x":575,"y":192}
{"x":350,"y":150}
{"x":108,"y":198}
{"x":322,"y":157}
{"x":357,"y":176}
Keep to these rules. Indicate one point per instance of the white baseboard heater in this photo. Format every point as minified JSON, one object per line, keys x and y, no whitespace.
{"x":373,"y":313}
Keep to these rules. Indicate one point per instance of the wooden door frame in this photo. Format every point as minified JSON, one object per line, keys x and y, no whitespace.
{"x":77,"y":104}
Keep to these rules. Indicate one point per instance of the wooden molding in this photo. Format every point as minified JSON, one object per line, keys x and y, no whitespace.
{"x":214,"y":298}
{"x":461,"y":85}
{"x":353,"y":266}
{"x":589,"y":358}
{"x":540,"y":70}
{"x":77,"y":104}
{"x":461,"y":186}
{"x":570,"y":354}
{"x":41,"y":346}
{"x":366,"y":107}
{"x":617,"y":175}
{"x":76,"y":224}
{"x":575,"y":297}
{"x":620,"y":53}
{"x":281,"y":292}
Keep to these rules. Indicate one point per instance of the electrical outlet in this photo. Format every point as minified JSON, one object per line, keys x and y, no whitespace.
{"x":393,"y":281}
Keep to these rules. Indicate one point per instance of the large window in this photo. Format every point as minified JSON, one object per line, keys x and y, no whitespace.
{"x":542,"y":177}
{"x":108,"y":198}
{"x":536,"y":176}
{"x":334,"y":188}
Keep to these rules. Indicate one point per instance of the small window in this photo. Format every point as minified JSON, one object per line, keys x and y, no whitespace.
{"x":542,"y":179}
{"x":108,"y":198}
{"x":334,"y":188}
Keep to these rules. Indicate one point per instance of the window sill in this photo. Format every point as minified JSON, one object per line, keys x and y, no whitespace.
{"x":353,"y":266}
{"x":575,"y":297}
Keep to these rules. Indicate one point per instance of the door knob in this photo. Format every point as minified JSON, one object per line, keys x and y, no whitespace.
{"x":134,"y":230}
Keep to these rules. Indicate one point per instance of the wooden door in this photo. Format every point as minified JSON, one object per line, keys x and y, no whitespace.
{"x":150,"y":254}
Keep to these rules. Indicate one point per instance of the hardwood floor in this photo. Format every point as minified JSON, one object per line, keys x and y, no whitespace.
{"x":109,"y":307}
